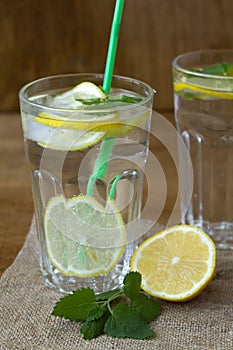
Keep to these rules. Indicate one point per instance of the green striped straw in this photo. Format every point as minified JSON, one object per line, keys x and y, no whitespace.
{"x":101,"y":164}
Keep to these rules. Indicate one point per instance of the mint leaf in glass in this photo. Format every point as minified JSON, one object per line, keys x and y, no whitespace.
{"x":220,"y":69}
{"x":130,"y":99}
{"x":110,"y":100}
{"x":90,"y":101}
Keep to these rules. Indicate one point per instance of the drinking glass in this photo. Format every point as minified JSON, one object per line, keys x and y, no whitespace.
{"x":203,"y":102}
{"x":87,"y":167}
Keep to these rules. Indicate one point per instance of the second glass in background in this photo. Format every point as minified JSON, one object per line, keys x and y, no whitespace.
{"x":203,"y":103}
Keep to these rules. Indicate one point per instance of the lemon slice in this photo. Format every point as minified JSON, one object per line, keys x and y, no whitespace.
{"x":71,"y":140}
{"x":125,"y":126}
{"x":83,"y":238}
{"x":104,"y":122}
{"x":176,"y":264}
{"x":59,"y":138}
{"x":97,"y":124}
{"x":87,"y":90}
{"x":84,"y":121}
{"x":44,"y":128}
{"x":202,"y":91}
{"x":84,"y":90}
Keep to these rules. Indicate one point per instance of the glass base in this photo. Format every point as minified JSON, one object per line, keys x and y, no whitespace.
{"x":102,"y":283}
{"x":220,"y":232}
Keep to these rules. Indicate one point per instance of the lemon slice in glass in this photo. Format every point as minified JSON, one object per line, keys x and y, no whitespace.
{"x":83,"y":238}
{"x":201,"y":91}
{"x":71,"y":140}
{"x":73,"y":131}
{"x":102,"y":122}
{"x":96,"y":124}
{"x":177,"y":263}
{"x":82,"y":91}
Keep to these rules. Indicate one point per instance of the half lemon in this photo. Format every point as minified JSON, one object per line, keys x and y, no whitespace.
{"x":176,"y":264}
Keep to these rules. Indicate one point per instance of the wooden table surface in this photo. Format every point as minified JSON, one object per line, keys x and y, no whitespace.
{"x":16,"y":206}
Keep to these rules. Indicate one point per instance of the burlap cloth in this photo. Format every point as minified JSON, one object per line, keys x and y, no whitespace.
{"x":26,"y":323}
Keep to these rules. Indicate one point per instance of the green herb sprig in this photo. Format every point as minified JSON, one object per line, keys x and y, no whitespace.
{"x":109,"y":99}
{"x":123,"y":312}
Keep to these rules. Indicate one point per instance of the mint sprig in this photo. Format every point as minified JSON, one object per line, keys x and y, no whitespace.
{"x":122,"y":312}
{"x":220,"y":69}
{"x":109,"y":99}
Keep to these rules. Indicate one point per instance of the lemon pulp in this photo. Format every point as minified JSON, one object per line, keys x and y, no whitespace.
{"x":177,"y":263}
{"x":83,"y":238}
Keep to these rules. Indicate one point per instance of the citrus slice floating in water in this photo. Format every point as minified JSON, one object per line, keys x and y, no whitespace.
{"x":176,"y":264}
{"x":83,"y":238}
{"x":70,"y":140}
{"x":103,"y":122}
{"x":83,"y":91}
{"x":61,"y":132}
{"x":199,"y":91}
{"x":85,"y":127}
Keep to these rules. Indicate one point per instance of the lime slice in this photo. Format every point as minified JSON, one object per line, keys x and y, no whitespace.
{"x":83,"y":238}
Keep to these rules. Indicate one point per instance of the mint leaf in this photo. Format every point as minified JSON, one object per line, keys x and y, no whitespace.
{"x":75,"y":306}
{"x":230,"y":71}
{"x":130,"y":99}
{"x":147,"y":307}
{"x":93,"y":329}
{"x":122,"y":312}
{"x":109,"y":99}
{"x":90,"y":101}
{"x":132,"y":284}
{"x":109,"y":295}
{"x":126,"y":322}
{"x":96,"y":311}
{"x":219,"y":69}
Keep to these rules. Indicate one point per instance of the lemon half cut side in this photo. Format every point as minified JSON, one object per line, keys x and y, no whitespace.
{"x":83,"y":238}
{"x":176,"y":264}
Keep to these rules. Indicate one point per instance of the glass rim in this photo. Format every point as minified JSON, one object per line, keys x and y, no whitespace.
{"x":179,"y":67}
{"x":127,"y":105}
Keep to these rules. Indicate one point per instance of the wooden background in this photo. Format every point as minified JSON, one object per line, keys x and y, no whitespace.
{"x":45,"y":37}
